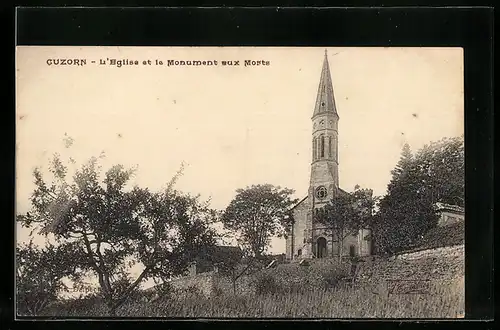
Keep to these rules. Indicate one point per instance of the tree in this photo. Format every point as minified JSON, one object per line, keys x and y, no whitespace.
{"x":404,"y":162}
{"x":346,"y":214}
{"x":237,"y":264}
{"x":116,"y":227}
{"x":434,"y":174}
{"x":39,"y":274}
{"x":441,"y":167}
{"x":401,"y":223}
{"x":257,"y":213}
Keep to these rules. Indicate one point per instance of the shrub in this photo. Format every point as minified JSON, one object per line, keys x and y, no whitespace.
{"x":87,"y":306}
{"x":164,"y":289}
{"x":217,"y":291}
{"x":265,"y":283}
{"x":333,"y":278}
{"x":159,"y":292}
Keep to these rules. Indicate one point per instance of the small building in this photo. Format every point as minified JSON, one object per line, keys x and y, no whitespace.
{"x":449,"y":231}
{"x":205,"y":274}
{"x":215,"y":257}
{"x":449,"y":214}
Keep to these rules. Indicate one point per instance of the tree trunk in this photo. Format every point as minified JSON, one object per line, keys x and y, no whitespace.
{"x":118,"y":302}
{"x":341,"y":248}
{"x":333,"y":242}
{"x":112,"y":307}
{"x":234,"y":281}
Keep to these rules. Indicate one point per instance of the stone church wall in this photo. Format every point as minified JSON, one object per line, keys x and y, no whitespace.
{"x":300,"y":214}
{"x":365,"y":242}
{"x":361,"y":246}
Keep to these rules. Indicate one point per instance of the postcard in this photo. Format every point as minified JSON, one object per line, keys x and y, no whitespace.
{"x":240,"y":182}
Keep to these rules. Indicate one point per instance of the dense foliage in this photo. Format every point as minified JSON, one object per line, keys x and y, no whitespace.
{"x":258,"y":213}
{"x":113,"y":227}
{"x":433,"y":174}
{"x":346,"y":214}
{"x":39,"y":274}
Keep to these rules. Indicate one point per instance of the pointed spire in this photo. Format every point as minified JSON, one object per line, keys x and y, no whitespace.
{"x":325,"y":100}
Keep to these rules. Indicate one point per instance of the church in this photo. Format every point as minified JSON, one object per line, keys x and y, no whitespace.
{"x":307,"y":238}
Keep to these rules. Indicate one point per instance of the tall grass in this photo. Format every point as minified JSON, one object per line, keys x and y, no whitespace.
{"x":445,"y":300}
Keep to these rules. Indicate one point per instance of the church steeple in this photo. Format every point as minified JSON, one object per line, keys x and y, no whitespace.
{"x":324,"y":166}
{"x":325,"y":100}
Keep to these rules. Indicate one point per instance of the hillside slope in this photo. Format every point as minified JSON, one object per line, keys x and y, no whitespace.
{"x":438,"y":264}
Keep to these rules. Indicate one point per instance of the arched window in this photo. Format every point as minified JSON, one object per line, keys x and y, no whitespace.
{"x":322,"y":146}
{"x":299,"y":252}
{"x":314,"y":149}
{"x":329,"y":147}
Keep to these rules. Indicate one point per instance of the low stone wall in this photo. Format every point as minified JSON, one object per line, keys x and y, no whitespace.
{"x":441,"y":264}
{"x":436,"y":264}
{"x":457,"y":251}
{"x":212,"y":283}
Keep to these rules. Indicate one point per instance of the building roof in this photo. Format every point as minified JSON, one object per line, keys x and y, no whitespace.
{"x":447,"y":207}
{"x":300,"y":202}
{"x":342,"y":191}
{"x":221,"y":254}
{"x":325,"y":100}
{"x":229,"y":252}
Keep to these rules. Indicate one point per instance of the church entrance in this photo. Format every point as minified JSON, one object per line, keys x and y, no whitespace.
{"x":321,"y":248}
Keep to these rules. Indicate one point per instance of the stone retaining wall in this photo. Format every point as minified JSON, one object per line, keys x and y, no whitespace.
{"x":435,"y":264}
{"x":211,"y":283}
{"x":457,"y":251}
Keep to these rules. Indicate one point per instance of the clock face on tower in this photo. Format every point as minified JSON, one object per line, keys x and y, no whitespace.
{"x":321,"y":192}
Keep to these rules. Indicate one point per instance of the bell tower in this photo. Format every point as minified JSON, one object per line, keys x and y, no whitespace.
{"x":324,"y":181}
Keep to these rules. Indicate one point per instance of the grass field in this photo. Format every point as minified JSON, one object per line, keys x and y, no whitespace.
{"x":445,"y":300}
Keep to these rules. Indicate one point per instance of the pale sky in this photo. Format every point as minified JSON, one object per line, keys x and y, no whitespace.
{"x":233,"y":126}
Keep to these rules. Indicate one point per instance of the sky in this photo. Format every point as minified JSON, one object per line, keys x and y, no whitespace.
{"x":232,"y":126}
